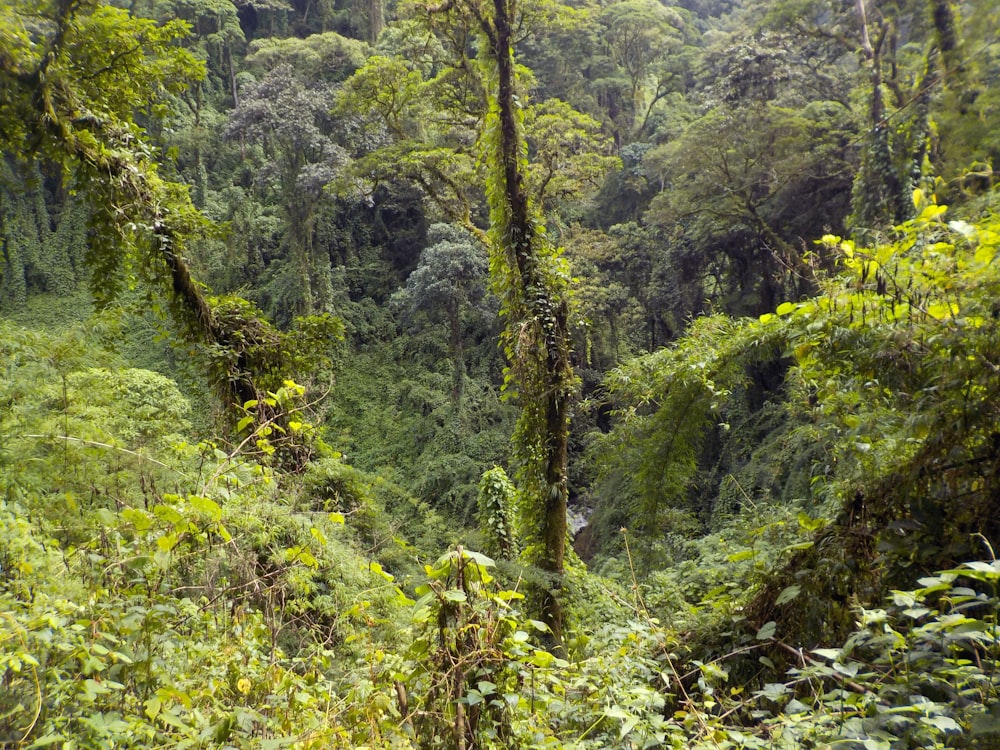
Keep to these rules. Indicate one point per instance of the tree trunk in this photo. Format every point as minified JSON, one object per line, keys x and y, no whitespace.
{"x":457,"y":358}
{"x":546,"y":397}
{"x":876,"y":198}
{"x":376,"y":19}
{"x":231,"y":75}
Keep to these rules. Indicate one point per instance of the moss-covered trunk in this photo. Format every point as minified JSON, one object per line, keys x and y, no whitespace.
{"x":537,"y":327}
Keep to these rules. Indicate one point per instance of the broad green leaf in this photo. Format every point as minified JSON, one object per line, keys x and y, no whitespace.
{"x":479,"y":559}
{"x":774,"y":691}
{"x":167,"y":514}
{"x":138,"y":518}
{"x":827,"y":653}
{"x":767,"y":631}
{"x":543,"y":659}
{"x":944,"y":723}
{"x":152,"y":707}
{"x":850,"y":669}
{"x":628,"y":725}
{"x":796,"y":707}
{"x":787,"y":595}
{"x":318,"y":535}
{"x":47,"y":740}
{"x":810,"y":524}
{"x":486,"y":687}
{"x":616,"y":712}
{"x":204,"y":505}
{"x":986,"y":567}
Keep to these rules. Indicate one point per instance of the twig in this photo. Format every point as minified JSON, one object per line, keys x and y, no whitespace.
{"x":22,"y":632}
{"x":847,"y":682}
{"x":96,"y":444}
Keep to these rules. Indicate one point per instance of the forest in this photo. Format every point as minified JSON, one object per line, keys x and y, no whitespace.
{"x":485,"y":374}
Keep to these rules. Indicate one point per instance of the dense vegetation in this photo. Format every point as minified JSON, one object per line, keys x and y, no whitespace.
{"x":554,"y":373}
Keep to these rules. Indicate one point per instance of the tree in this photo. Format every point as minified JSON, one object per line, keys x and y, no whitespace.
{"x":442,"y":117}
{"x":906,"y":50}
{"x":215,"y":36}
{"x":69,"y":91}
{"x":285,"y":114}
{"x":532,"y":282}
{"x":391,"y":106}
{"x":449,"y":277}
{"x":40,"y":244}
{"x":569,"y":155}
{"x":477,"y":123}
{"x":419,"y":119}
{"x":729,"y":183}
{"x":328,"y":57}
{"x":644,"y":39}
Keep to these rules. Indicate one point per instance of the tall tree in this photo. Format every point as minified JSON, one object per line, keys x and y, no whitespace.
{"x":69,"y":89}
{"x":449,"y":278}
{"x":644,"y":39}
{"x":897,"y":47}
{"x":285,"y":115}
{"x":69,"y":92}
{"x":533,"y":284}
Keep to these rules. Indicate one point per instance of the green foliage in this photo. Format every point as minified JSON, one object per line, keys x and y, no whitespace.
{"x":284,"y":114}
{"x":138,"y":406}
{"x":496,"y":519}
{"x":119,"y":667}
{"x":568,"y":154}
{"x":884,"y":423}
{"x":732,"y":173}
{"x":41,"y":251}
{"x":650,"y":462}
{"x":449,"y":282}
{"x":102,"y":61}
{"x":72,"y":99}
{"x":251,"y":359}
{"x":776,"y":475}
{"x":423,"y":439}
{"x":461,"y":680}
{"x":327,"y":57}
{"x":395,"y":528}
{"x":914,"y":673}
{"x":135,"y":616}
{"x":644,"y":41}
